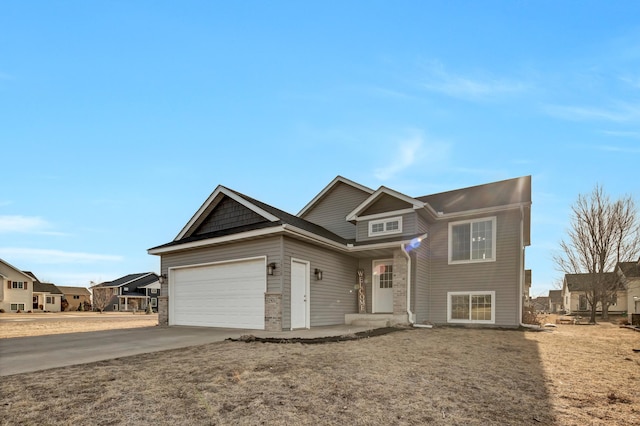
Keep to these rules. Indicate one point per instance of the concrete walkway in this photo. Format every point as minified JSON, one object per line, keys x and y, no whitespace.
{"x":28,"y":354}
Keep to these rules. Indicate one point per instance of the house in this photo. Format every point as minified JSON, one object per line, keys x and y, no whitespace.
{"x":628,"y":273}
{"x":352,"y":254}
{"x":128,"y":293}
{"x":47,"y":297}
{"x":526,"y":293}
{"x":541,"y":304}
{"x":75,"y":296}
{"x":555,"y":301}
{"x":16,"y":289}
{"x":574,"y":294}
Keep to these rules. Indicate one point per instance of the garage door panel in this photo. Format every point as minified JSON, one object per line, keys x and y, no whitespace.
{"x":223,"y":295}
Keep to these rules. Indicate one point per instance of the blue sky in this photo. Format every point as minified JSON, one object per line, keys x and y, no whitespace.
{"x":119,"y":118}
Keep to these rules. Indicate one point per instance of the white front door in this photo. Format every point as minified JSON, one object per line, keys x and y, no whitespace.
{"x":383,"y":286}
{"x":299,"y":294}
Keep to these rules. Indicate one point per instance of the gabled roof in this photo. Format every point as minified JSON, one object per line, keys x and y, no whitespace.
{"x":630,"y":269}
{"x":282,"y":219}
{"x":132,"y":281}
{"x":16,"y":269}
{"x":582,"y":282}
{"x":502,"y":193}
{"x":414,"y":203}
{"x":216,"y":196}
{"x":78,"y":291}
{"x":50,"y":288}
{"x":555,"y":296}
{"x":328,"y":188}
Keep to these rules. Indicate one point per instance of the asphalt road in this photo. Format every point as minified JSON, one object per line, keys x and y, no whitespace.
{"x":27,"y":354}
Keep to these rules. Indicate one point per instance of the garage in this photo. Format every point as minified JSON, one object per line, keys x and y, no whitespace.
{"x":229,"y":294}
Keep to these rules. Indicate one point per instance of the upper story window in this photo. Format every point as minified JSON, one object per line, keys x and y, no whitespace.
{"x":391,"y":225}
{"x":472,"y":241}
{"x":17,"y":284}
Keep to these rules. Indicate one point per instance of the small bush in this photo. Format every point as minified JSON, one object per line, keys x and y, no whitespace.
{"x":623,"y":321}
{"x":529,"y":316}
{"x":1,"y":311}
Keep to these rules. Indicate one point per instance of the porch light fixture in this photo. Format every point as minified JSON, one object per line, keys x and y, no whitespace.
{"x":270,"y":268}
{"x":318,"y":274}
{"x":162,"y":278}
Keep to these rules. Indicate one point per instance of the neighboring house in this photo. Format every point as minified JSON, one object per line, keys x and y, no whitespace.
{"x":47,"y":297}
{"x":555,"y":301}
{"x":629,"y":275}
{"x":131,"y":292}
{"x":352,"y":254}
{"x":16,"y":289}
{"x":541,"y":304}
{"x":527,"y":288}
{"x":574,"y":288}
{"x":75,"y":296}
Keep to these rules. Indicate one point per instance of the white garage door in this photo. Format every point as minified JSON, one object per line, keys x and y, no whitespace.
{"x":221,"y":295}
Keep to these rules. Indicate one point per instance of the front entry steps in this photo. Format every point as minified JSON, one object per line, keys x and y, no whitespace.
{"x":375,"y":320}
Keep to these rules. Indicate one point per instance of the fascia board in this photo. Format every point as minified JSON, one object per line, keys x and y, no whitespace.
{"x":214,"y":241}
{"x":222,"y":190}
{"x":385,"y":214}
{"x":321,"y":194}
{"x":383,"y":190}
{"x":486,"y":210}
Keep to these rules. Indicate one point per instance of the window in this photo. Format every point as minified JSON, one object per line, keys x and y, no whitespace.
{"x":472,"y":241}
{"x":582,"y":303}
{"x":385,"y":226}
{"x":154,"y":302}
{"x":154,"y":291}
{"x":50,"y":299}
{"x":476,"y":307}
{"x":17,"y":306}
{"x":17,"y":284}
{"x":76,"y":297}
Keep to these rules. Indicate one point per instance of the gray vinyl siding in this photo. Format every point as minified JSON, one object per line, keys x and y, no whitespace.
{"x":332,"y":210}
{"x":385,"y":203}
{"x":270,"y":247}
{"x":228,"y":214}
{"x":331,"y":298}
{"x":409,"y":227}
{"x":501,"y":276}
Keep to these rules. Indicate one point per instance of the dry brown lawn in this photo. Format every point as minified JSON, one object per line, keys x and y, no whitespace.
{"x":38,"y":324}
{"x":573,"y":375}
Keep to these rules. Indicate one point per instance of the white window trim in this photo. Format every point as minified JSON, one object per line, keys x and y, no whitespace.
{"x":472,"y":293}
{"x":493,"y":237}
{"x":385,"y":221}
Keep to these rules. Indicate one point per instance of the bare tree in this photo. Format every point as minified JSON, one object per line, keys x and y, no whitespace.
{"x":101,"y":297}
{"x":602,"y":233}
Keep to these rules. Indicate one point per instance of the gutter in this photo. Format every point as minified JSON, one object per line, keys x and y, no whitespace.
{"x":406,"y":254}
{"x":520,"y":293}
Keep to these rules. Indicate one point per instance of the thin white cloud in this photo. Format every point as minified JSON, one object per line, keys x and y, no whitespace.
{"x":622,"y":113}
{"x":622,"y":134}
{"x":411,"y":150}
{"x":405,"y":156}
{"x":620,"y":149}
{"x":25,"y":225}
{"x":46,"y":256}
{"x":470,"y":88}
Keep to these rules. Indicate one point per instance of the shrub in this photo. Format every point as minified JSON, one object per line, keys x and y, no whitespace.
{"x":529,"y":316}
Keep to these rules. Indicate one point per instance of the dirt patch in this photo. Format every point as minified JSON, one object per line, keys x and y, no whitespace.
{"x":318,"y":340}
{"x":570,"y":376}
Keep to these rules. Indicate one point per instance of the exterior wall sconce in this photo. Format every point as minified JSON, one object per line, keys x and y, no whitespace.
{"x":270,"y":268}
{"x":162,"y":278}
{"x":318,"y":274}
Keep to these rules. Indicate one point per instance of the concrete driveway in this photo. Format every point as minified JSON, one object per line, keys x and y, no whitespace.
{"x":27,"y":354}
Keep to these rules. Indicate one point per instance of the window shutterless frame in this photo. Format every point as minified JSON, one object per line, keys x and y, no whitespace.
{"x":387,"y":226}
{"x":472,"y":241}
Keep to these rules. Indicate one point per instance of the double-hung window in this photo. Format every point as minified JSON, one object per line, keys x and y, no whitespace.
{"x":471,"y":307}
{"x":391,"y":225}
{"x":472,"y":240}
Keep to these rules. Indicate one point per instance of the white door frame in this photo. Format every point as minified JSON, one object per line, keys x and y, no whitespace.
{"x":375,"y":286}
{"x":307,"y":292}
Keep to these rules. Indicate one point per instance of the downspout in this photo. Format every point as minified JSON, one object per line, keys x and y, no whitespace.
{"x":406,"y":254}
{"x":521,"y":272}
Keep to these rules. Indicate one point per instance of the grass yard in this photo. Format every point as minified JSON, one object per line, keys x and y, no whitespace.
{"x":574,"y":375}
